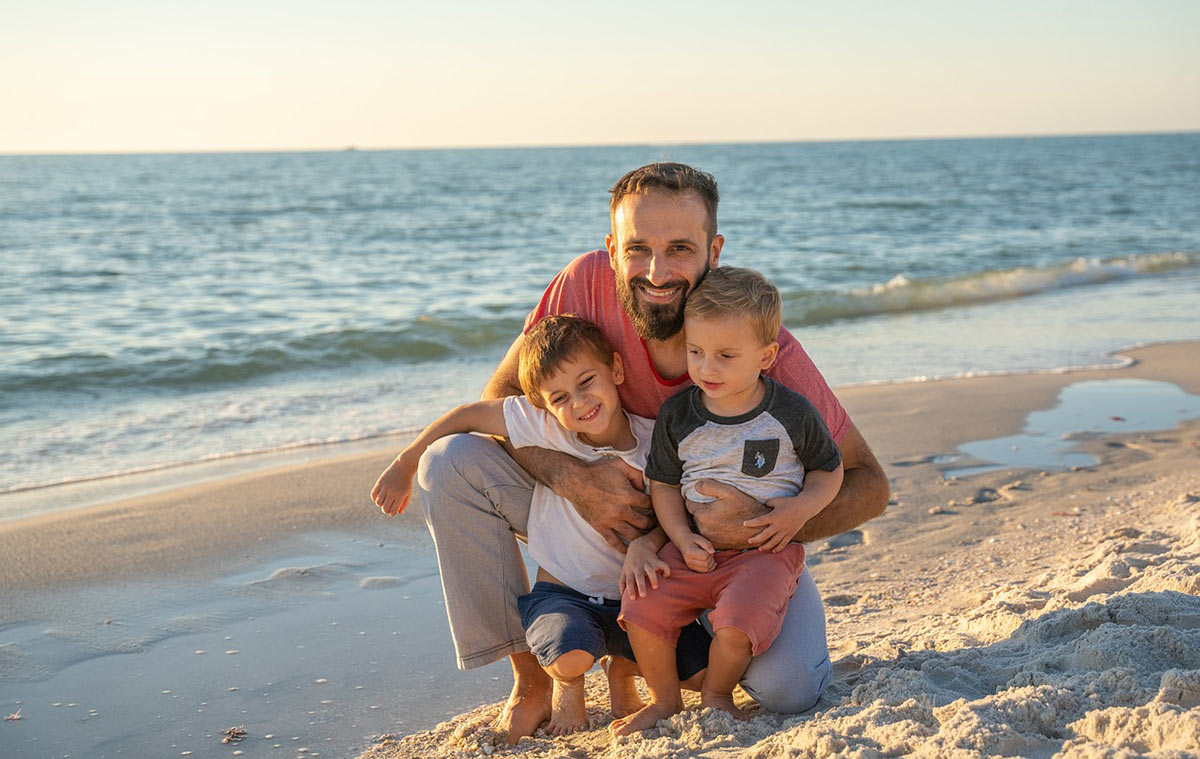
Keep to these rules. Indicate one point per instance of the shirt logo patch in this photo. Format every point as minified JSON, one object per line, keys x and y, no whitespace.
{"x":759,"y":456}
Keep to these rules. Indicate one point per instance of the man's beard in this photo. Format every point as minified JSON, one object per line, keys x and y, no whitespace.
{"x":651,"y":320}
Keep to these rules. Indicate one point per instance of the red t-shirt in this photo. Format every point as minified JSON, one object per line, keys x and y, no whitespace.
{"x":587,"y":287}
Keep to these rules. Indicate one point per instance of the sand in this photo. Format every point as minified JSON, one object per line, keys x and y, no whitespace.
{"x":1016,"y":612}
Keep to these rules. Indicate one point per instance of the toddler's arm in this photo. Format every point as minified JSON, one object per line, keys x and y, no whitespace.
{"x":394,"y":487}
{"x":789,"y":514}
{"x":672,"y":515}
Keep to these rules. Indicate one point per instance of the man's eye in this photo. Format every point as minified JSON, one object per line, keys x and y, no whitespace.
{"x":726,"y":356}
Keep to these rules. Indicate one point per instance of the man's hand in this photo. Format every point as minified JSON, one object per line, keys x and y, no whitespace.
{"x":721,"y":520}
{"x":610,"y":495}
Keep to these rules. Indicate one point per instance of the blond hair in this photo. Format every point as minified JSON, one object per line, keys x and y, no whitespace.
{"x":731,"y":291}
{"x":553,"y":341}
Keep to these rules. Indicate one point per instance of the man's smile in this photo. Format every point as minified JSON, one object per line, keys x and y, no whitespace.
{"x":664,"y":294}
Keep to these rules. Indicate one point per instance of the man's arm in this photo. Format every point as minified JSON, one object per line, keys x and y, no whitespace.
{"x":608,"y":494}
{"x":863,"y":496}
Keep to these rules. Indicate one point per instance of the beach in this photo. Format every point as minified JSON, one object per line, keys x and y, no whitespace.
{"x":1017,"y":610}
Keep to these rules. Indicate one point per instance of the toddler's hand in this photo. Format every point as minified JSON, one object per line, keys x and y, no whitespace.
{"x":698,"y":553}
{"x":394,"y":487}
{"x":639,"y":574}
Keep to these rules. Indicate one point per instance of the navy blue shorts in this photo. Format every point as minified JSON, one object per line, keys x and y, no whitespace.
{"x":558,"y":619}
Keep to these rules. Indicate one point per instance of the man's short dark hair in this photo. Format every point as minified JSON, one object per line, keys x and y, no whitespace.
{"x":672,"y":177}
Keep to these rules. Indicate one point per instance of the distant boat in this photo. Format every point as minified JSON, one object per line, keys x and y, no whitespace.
{"x":350,"y":149}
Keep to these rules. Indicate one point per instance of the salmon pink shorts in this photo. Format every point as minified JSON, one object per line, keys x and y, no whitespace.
{"x":747,"y":590}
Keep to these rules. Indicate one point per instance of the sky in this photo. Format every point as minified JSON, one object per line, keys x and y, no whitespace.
{"x":164,"y":75}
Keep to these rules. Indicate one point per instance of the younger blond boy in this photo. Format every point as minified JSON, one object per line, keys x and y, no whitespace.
{"x":737,"y":427}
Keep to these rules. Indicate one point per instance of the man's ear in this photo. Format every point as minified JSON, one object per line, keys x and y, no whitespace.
{"x":714,"y":250}
{"x":611,"y":243}
{"x":618,"y":369}
{"x":770,"y":353}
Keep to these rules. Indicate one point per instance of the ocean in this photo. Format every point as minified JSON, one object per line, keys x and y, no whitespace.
{"x":160,"y":310}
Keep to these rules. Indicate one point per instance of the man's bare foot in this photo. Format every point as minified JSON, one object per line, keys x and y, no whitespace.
{"x":645,"y":718}
{"x":528,"y":705}
{"x":724,"y":702}
{"x":568,"y":710}
{"x":623,"y":696}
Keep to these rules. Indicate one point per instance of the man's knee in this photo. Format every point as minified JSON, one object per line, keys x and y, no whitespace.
{"x":790,"y":692}
{"x":445,"y":467}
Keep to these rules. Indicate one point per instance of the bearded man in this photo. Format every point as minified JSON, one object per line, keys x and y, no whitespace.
{"x":475,"y":493}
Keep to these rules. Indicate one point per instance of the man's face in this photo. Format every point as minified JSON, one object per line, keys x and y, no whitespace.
{"x":659,"y":250}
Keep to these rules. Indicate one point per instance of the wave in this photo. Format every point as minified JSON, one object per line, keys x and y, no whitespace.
{"x":901,"y":294}
{"x":256,"y":356}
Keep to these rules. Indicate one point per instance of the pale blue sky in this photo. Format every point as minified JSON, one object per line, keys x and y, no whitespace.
{"x":267,"y":74}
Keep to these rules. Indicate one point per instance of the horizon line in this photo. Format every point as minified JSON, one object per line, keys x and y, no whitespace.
{"x":574,"y":145}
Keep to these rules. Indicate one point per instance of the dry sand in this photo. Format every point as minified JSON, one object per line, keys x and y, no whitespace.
{"x":1009,"y":613}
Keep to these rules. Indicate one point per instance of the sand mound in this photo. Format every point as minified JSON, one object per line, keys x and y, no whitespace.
{"x":1096,"y":656}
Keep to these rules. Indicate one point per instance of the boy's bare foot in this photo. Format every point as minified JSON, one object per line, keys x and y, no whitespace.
{"x":724,"y":702}
{"x":645,"y":718}
{"x":528,"y":705}
{"x":623,"y":696}
{"x":568,"y":712}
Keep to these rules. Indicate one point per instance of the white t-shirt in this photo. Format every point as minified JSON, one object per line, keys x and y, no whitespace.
{"x":560,"y":540}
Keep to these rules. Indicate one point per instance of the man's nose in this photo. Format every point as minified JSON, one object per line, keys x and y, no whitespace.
{"x":657,"y":273}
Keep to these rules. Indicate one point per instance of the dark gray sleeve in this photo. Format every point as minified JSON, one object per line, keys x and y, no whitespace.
{"x":663,"y":463}
{"x":810,"y":437}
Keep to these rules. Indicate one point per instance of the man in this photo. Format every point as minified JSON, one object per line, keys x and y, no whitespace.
{"x":475,"y":494}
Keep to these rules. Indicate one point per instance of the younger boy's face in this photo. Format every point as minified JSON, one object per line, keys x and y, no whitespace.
{"x":724,"y":356}
{"x":582,"y":396}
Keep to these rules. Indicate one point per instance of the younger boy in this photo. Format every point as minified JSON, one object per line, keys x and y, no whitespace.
{"x":740,"y":428}
{"x":569,"y":373}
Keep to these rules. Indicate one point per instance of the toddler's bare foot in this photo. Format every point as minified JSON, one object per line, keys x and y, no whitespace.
{"x":568,"y":709}
{"x":724,"y":702}
{"x":623,"y":697}
{"x":645,"y":718}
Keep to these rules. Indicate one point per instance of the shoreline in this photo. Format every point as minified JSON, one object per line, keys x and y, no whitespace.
{"x":31,"y":500}
{"x":296,"y":572}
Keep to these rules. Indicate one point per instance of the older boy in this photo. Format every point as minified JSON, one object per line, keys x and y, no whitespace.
{"x":737,"y":427}
{"x":570,"y":375}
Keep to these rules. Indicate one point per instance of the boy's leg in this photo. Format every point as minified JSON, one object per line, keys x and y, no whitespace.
{"x":656,"y":659}
{"x":623,"y":696}
{"x":476,"y":500}
{"x":727,"y":661}
{"x":568,"y":710}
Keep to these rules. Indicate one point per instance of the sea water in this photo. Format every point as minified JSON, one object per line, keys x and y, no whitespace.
{"x":157,"y":310}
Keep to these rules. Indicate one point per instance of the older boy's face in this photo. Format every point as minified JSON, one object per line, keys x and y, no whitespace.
{"x":659,"y":250}
{"x":725,"y":359}
{"x":582,"y":396}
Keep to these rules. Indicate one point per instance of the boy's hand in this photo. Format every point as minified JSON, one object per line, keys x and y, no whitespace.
{"x":721,"y":520}
{"x":781,"y":524}
{"x":394,"y":487}
{"x":640,"y":571}
{"x":697,"y":553}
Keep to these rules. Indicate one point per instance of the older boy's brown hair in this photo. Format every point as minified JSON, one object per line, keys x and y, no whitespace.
{"x":553,"y":341}
{"x":731,"y":291}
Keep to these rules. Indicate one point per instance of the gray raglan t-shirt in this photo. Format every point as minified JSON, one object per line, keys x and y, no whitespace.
{"x":764,"y":452}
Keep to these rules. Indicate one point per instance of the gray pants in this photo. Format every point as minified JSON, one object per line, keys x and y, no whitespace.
{"x":476,"y":502}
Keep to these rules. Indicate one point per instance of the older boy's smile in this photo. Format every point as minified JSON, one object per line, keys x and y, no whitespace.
{"x":582,"y":396}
